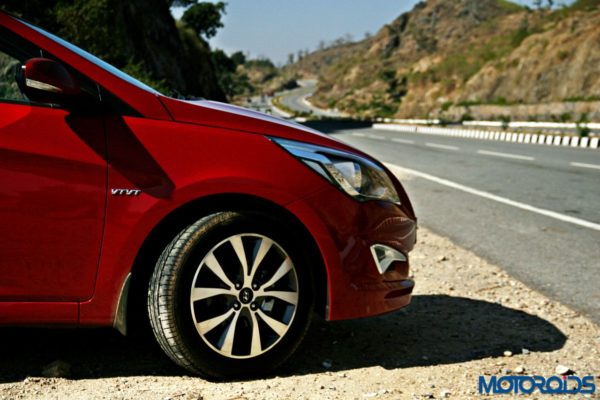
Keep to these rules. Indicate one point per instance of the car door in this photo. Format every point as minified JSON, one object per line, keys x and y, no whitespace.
{"x":53,"y":174}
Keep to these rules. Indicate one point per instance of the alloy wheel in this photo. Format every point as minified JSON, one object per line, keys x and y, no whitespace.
{"x":244,"y":295}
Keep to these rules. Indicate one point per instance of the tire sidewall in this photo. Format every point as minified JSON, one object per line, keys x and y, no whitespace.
{"x":214,"y":230}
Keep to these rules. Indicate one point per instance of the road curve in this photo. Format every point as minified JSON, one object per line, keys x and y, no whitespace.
{"x":297,"y":99}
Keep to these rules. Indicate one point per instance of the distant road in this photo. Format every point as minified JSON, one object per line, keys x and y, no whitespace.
{"x":296,"y":99}
{"x":264,"y":105}
{"x":533,"y":210}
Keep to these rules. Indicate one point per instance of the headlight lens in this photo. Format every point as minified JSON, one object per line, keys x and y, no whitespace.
{"x":357,"y":176}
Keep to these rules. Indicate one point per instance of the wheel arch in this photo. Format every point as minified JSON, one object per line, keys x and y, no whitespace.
{"x":162,"y":234}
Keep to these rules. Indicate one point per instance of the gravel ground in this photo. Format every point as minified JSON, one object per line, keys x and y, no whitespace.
{"x":468,"y":318}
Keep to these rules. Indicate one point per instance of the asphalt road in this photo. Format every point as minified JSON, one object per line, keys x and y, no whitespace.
{"x":296,"y":100}
{"x":532,"y":210}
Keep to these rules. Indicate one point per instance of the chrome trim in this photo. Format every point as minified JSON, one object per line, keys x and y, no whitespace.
{"x":384,"y":256}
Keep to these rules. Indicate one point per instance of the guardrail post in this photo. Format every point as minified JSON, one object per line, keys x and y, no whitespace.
{"x":584,"y":142}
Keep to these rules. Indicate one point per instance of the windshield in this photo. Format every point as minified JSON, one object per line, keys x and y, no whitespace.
{"x":93,"y":59}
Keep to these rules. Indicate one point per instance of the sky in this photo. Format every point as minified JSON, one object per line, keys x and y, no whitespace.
{"x":276,"y":28}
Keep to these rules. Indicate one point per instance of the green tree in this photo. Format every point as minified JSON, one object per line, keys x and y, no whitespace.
{"x":204,"y":18}
{"x":181,"y":3}
{"x":238,"y":58}
{"x":230,"y":80}
{"x":222,"y":62}
{"x":138,"y":36}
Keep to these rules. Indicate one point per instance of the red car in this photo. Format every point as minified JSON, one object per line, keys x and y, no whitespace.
{"x":223,"y":227}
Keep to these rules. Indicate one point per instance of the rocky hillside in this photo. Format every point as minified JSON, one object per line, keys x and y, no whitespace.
{"x":467,"y":58}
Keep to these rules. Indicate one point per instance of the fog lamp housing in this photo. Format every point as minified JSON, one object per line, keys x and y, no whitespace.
{"x":385,"y":256}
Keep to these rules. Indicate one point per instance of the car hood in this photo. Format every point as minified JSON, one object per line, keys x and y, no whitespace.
{"x":227,"y":116}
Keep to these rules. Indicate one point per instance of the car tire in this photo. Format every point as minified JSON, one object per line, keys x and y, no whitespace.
{"x":231,"y":295}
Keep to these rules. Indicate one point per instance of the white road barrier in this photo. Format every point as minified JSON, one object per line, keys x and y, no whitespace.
{"x":532,"y":124}
{"x":517,"y":137}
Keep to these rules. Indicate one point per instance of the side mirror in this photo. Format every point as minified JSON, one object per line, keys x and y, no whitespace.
{"x":47,"y":81}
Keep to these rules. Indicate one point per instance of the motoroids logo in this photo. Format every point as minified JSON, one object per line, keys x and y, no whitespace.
{"x":544,"y":385}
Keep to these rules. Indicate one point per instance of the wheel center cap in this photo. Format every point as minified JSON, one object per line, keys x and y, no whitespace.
{"x":246,"y":295}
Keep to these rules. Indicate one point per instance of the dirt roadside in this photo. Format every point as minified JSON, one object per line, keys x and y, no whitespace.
{"x":468,"y":318}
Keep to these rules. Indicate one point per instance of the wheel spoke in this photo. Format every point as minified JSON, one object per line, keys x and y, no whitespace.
{"x":265,"y":245}
{"x":226,"y":298}
{"x":256,"y":347}
{"x":289,"y":297}
{"x":213,"y":264}
{"x":279,"y":327}
{"x":210,"y":324}
{"x":200,"y":293}
{"x":230,"y":335}
{"x":236,"y":242}
{"x":284,"y":268}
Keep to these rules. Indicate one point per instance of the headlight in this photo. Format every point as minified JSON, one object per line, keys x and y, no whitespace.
{"x":357,"y":176}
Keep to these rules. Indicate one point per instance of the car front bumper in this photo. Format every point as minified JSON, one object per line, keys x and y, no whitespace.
{"x":346,"y":231}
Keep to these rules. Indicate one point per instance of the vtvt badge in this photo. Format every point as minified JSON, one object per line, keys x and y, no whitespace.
{"x":125,"y":192}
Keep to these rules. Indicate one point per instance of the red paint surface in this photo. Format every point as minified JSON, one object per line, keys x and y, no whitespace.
{"x":67,"y":245}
